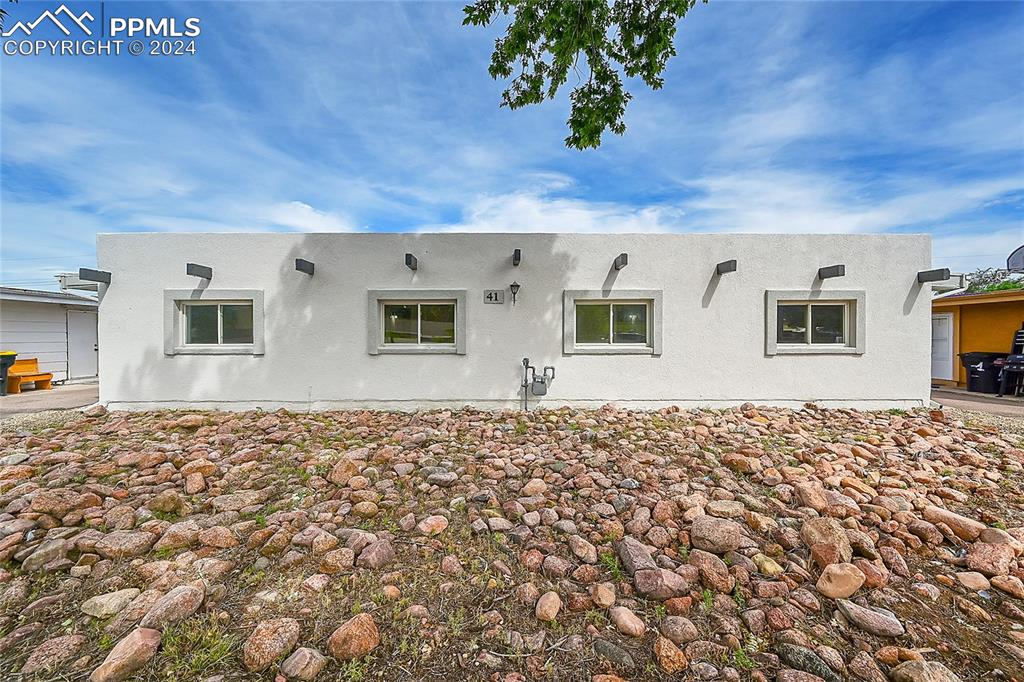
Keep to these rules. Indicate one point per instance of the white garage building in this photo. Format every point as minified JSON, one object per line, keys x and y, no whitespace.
{"x":58,"y":328}
{"x":444,"y":320}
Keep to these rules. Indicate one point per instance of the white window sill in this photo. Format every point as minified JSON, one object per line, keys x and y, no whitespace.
{"x":411,"y":349}
{"x":224,"y":349}
{"x":612,"y":349}
{"x":817,"y":349}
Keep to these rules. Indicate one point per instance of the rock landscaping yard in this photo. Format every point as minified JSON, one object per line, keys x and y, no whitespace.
{"x":747,"y":544}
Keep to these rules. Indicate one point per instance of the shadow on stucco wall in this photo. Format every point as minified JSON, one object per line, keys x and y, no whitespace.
{"x":308,"y":340}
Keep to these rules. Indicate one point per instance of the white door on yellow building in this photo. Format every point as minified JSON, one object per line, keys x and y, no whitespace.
{"x":942,"y":346}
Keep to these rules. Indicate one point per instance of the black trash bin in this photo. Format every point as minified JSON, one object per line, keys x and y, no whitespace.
{"x":982,"y":372}
{"x":6,"y":360}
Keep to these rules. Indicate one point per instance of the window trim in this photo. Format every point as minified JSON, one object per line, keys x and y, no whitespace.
{"x":646,"y":303}
{"x":175,"y":302}
{"x":185,"y":305}
{"x":375,"y":300}
{"x":854,"y":300}
{"x":651,"y":297}
{"x":809,"y":331}
{"x":419,"y":323}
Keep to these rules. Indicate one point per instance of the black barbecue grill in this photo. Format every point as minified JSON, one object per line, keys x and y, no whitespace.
{"x":1013,"y":366}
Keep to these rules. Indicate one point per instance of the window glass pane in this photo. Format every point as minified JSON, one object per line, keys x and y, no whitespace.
{"x":792,"y":324}
{"x":630,"y":323}
{"x":828,"y":323}
{"x":400,"y":323}
{"x":236,"y":321}
{"x":200,"y":324}
{"x":437,"y":323}
{"x":593,"y":323}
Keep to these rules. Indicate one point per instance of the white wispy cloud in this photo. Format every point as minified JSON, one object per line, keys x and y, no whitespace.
{"x":526,"y":212}
{"x":303,"y":217}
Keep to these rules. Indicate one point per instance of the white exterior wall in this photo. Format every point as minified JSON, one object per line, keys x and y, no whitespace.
{"x":38,"y":330}
{"x":316,"y":353}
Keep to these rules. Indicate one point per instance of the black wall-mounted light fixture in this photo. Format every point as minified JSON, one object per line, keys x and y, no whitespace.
{"x":514,"y":288}
{"x":199,"y":270}
{"x":303,"y":265}
{"x":940,"y":275}
{"x":88,"y":275}
{"x":411,"y":262}
{"x":831,"y":271}
{"x":725,"y":266}
{"x":517,"y":257}
{"x":621,"y":261}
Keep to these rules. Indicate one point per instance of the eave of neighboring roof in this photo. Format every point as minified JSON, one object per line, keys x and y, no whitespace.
{"x":965,"y":298}
{"x":55,"y":297}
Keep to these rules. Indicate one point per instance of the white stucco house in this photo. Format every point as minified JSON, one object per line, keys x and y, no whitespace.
{"x":405,"y":321}
{"x":57,"y":328}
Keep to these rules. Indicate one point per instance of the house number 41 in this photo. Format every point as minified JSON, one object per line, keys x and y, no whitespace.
{"x":494,"y":296}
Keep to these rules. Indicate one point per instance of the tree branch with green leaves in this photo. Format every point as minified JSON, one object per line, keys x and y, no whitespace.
{"x":3,"y":15}
{"x":598,"y":42}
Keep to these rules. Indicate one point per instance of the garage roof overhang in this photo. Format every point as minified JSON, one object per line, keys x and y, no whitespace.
{"x":52,"y":297}
{"x":975,"y":299}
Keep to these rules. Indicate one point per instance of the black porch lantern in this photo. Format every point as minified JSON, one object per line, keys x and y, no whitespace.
{"x":514,"y":288}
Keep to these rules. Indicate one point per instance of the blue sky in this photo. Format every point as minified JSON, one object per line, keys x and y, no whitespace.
{"x":297,"y":116}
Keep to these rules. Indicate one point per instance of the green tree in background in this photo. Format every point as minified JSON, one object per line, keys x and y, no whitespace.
{"x":992,"y":279}
{"x":598,"y":41}
{"x":3,"y":15}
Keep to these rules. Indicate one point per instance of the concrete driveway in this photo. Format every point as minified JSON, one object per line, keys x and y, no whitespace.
{"x":1006,"y":406}
{"x":65,"y":397}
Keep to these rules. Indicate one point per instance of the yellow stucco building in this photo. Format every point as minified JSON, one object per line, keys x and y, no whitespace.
{"x":964,"y":323}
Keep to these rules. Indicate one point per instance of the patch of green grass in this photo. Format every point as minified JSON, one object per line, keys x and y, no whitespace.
{"x":165,"y":516}
{"x":611,"y":562}
{"x":194,"y":648}
{"x":742,"y":660}
{"x":708,"y":598}
{"x":521,"y":428}
{"x":287,"y":470}
{"x":456,"y":622}
{"x":737,"y":596}
{"x":251,"y":576}
{"x":106,"y":642}
{"x":896,"y":411}
{"x":352,"y":671}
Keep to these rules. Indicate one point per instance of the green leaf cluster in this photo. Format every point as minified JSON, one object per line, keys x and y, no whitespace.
{"x":546,"y":41}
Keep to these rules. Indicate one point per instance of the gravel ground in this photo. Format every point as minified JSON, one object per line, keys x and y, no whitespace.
{"x":36,"y":421}
{"x":742,"y":545}
{"x":1014,"y":425}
